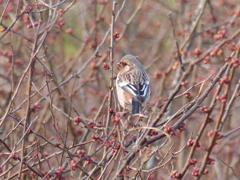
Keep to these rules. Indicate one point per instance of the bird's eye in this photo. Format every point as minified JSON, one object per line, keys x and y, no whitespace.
{"x":124,"y":64}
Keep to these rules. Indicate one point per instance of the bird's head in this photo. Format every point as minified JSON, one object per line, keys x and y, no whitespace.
{"x":127,"y":63}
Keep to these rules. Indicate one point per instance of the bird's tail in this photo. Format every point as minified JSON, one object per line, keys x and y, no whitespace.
{"x":135,"y":107}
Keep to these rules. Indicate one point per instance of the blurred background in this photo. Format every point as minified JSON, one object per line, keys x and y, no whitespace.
{"x":54,"y":59}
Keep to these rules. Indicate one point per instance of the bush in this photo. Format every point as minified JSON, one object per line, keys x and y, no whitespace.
{"x":60,"y":118}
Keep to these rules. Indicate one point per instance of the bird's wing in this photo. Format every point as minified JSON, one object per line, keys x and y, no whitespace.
{"x":138,"y":91}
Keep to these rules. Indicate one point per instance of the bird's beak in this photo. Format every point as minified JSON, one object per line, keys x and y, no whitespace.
{"x":119,"y":66}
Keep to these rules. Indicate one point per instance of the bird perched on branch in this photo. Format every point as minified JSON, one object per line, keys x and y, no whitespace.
{"x":132,"y":84}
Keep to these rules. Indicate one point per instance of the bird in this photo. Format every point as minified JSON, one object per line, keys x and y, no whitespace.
{"x":132,"y":84}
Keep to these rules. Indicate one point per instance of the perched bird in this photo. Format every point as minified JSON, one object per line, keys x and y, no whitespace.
{"x":132,"y":84}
